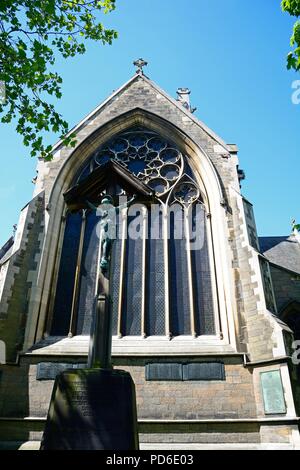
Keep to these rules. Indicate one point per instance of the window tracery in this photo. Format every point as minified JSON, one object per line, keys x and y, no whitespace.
{"x":162,"y":285}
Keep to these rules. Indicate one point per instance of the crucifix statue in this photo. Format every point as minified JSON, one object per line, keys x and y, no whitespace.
{"x":107,"y":212}
{"x":108,"y":177}
{"x":100,"y":338}
{"x":95,"y":408}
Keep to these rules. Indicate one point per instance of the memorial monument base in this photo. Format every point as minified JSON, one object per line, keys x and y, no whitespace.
{"x":92,"y":409}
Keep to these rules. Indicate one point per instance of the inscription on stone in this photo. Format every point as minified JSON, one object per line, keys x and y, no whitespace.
{"x":185,"y":372}
{"x":160,"y":371}
{"x":272,"y":391}
{"x":49,"y":370}
{"x":92,"y":409}
{"x":204,"y":371}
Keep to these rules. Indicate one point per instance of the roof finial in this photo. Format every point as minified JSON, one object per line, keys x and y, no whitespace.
{"x":15,"y":228}
{"x":140,"y":63}
{"x":296,"y":230}
{"x":183,"y":97}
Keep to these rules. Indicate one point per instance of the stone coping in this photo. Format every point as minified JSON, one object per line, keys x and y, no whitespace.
{"x":35,"y":445}
{"x":136,"y":346}
{"x":276,"y":420}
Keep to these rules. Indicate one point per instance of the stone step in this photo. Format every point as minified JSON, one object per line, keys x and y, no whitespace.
{"x":35,"y":445}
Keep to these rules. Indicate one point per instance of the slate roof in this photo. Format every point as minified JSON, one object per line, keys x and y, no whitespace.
{"x":6,"y":250}
{"x":283,"y":251}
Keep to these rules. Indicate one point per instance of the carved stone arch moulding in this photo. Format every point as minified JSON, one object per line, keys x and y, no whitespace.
{"x":200,"y":163}
{"x":205,"y":177}
{"x":186,"y":192}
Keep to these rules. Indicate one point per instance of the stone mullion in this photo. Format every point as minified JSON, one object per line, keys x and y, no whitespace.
{"x":165,"y":234}
{"x":122,"y":271}
{"x":144,"y":273}
{"x":212,"y":264}
{"x":190,"y":272}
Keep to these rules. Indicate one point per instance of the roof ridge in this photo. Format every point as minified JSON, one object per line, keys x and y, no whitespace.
{"x":274,"y":236}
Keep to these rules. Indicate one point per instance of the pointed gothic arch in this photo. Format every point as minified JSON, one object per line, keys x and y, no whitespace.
{"x":172,"y":296}
{"x":201,"y":164}
{"x":205,"y":177}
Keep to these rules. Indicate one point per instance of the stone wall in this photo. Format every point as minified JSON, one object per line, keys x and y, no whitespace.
{"x":251,"y":224}
{"x":3,"y":272}
{"x":255,"y":324}
{"x":23,"y":262}
{"x":169,"y":412}
{"x":23,"y":395}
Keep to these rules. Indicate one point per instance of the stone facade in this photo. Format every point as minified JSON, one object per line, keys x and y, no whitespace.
{"x":248,"y":338}
{"x":21,"y":272}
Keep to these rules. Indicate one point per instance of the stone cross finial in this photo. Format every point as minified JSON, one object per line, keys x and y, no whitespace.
{"x":140,"y":63}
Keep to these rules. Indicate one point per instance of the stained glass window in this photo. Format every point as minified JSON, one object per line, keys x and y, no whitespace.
{"x":159,"y":284}
{"x":154,"y":160}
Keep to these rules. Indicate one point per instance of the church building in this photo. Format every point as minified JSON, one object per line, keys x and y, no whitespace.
{"x":203,"y":312}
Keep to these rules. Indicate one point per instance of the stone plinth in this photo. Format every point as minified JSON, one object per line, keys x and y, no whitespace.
{"x":92,"y":409}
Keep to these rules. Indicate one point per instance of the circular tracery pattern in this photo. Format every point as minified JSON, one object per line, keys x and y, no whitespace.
{"x":186,"y":193}
{"x":147,"y":156}
{"x":170,"y":172}
{"x":170,"y":155}
{"x":158,"y":185}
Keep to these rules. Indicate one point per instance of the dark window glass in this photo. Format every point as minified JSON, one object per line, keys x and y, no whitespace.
{"x":155,"y":279}
{"x":66,"y":276}
{"x":132,"y":300}
{"x":88,"y":273}
{"x":202,"y":280}
{"x":179,"y":281}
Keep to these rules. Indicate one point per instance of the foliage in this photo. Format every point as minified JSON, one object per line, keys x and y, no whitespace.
{"x":293,"y":58}
{"x":32,"y":33}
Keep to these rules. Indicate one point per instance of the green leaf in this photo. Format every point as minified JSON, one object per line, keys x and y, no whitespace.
{"x":36,"y":35}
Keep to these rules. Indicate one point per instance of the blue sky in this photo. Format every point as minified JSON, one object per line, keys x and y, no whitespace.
{"x":231,"y":54}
